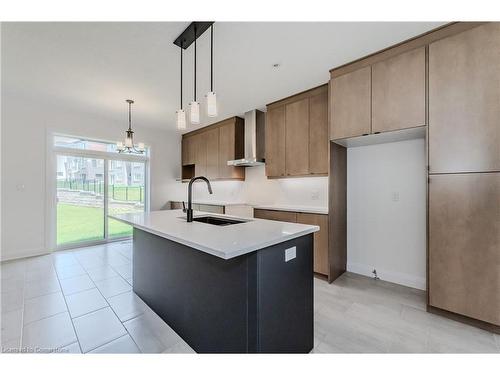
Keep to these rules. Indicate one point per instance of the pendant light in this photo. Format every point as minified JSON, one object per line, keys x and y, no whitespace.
{"x":181,"y":115}
{"x":128,"y":146}
{"x":195,"y":106}
{"x":211,"y":97}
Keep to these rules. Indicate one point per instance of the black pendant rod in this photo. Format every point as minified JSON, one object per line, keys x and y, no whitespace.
{"x":195,"y":63}
{"x":129,"y":101}
{"x":212,"y":58}
{"x":181,"y":75}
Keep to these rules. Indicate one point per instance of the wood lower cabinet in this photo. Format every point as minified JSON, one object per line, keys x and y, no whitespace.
{"x":205,"y":151}
{"x":464,"y":101}
{"x":275,"y":142}
{"x":398,"y":92}
{"x":351,"y":104}
{"x":275,"y":215}
{"x":464,"y":244}
{"x":297,"y":135}
{"x":321,"y":243}
{"x":297,"y":138}
{"x":320,"y":240}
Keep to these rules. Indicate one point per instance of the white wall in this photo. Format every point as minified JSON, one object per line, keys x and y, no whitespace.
{"x":383,"y":231}
{"x":25,"y":123}
{"x":257,"y":189}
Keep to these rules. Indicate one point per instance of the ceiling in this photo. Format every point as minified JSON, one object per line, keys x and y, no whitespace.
{"x":96,"y":66}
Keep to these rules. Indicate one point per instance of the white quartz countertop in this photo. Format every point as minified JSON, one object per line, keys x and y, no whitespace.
{"x":305,"y":209}
{"x":222,"y":241}
{"x":213,"y":203}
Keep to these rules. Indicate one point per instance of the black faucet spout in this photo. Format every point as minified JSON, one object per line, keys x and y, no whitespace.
{"x":189,"y":211}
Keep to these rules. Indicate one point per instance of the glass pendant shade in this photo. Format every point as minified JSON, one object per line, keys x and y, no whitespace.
{"x":181,"y":119}
{"x":211,"y":104}
{"x":128,"y":142}
{"x":195,"y":112}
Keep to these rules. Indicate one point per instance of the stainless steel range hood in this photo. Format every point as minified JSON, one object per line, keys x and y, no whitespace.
{"x":255,"y":122}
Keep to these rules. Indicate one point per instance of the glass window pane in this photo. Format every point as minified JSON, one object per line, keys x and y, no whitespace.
{"x":86,"y":144}
{"x":80,"y":199}
{"x":125,"y":193}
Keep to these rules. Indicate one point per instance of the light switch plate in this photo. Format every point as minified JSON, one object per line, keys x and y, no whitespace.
{"x":290,"y":253}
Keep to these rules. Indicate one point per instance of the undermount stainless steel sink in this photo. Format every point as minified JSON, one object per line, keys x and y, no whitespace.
{"x":216,"y":220}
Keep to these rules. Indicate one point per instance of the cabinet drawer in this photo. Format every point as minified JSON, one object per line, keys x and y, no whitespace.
{"x":275,"y":215}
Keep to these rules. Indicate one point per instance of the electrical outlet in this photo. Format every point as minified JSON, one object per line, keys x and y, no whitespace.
{"x":315,"y":195}
{"x":395,"y":196}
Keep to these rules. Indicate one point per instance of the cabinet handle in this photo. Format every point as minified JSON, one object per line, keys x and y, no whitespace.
{"x":376,"y":133}
{"x":365,"y":134}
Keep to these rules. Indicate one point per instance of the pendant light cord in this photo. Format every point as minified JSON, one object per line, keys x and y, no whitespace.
{"x":212,"y":58}
{"x":195,"y":37}
{"x":181,"y":74}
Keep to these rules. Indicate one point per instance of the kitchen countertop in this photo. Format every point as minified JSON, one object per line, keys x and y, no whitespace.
{"x":304,"y":209}
{"x":213,"y":203}
{"x":222,"y":241}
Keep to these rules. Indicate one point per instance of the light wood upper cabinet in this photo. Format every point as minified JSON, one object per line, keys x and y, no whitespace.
{"x":318,"y":134}
{"x":212,"y":139}
{"x":464,"y":244}
{"x":398,"y":92}
{"x":200,"y":154}
{"x":231,"y":145}
{"x":297,"y":135}
{"x":275,"y":141}
{"x":464,"y":101}
{"x":351,"y":104}
{"x":187,"y":151}
{"x":321,"y":264}
{"x":297,"y":138}
{"x":205,"y":151}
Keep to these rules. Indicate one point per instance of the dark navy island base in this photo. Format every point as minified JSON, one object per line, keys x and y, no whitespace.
{"x":253,"y":303}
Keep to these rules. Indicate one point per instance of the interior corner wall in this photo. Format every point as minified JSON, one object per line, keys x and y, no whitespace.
{"x":386,"y":211}
{"x":25,"y":125}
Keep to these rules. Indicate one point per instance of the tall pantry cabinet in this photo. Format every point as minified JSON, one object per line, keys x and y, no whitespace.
{"x":464,"y":173}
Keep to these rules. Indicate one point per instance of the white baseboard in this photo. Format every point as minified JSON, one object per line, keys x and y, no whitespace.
{"x":10,"y":255}
{"x":412,"y":281}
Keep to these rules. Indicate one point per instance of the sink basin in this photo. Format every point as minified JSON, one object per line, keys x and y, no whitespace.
{"x":215,"y":220}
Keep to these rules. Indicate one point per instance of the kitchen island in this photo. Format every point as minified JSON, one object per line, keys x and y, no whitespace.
{"x":244,"y":287}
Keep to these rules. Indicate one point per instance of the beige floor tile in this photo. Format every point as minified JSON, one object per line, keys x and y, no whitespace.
{"x":124,"y":344}
{"x":49,"y":334}
{"x":112,"y":287}
{"x":127,"y":305}
{"x":76,"y":284}
{"x":98,"y":328}
{"x":44,"y":306}
{"x":101,"y":273}
{"x":11,"y":325}
{"x":85,"y":302}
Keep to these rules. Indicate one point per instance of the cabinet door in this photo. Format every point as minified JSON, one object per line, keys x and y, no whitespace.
{"x":297,"y":138}
{"x":464,"y":101}
{"x":212,"y":139}
{"x":398,"y":92}
{"x":229,"y":136}
{"x":275,"y":215}
{"x":320,"y":240}
{"x":318,"y":134}
{"x":188,"y":154}
{"x":200,"y":154}
{"x":464,"y":244}
{"x":275,"y":142}
{"x":351,"y":104}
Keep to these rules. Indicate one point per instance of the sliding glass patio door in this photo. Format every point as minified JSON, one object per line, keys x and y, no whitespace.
{"x":80,"y":200}
{"x":89,"y":188}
